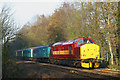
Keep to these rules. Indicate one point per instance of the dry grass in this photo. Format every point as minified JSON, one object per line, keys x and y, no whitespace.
{"x":26,"y":69}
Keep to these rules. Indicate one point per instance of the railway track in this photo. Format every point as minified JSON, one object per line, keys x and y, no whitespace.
{"x":108,"y":72}
{"x":92,"y":73}
{"x":88,"y":73}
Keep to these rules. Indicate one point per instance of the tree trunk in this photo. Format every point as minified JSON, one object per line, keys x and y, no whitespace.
{"x":119,"y":33}
{"x":110,"y":48}
{"x":109,"y":42}
{"x":107,"y":57}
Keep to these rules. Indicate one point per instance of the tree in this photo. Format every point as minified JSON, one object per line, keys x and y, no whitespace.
{"x":34,"y":34}
{"x":111,"y":28}
{"x":118,"y":50}
{"x":7,"y":27}
{"x":57,"y":28}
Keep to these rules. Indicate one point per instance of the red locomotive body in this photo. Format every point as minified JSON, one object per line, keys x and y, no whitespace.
{"x":68,"y":50}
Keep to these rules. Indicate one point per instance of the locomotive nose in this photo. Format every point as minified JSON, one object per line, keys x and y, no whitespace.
{"x":89,"y":51}
{"x":89,"y":54}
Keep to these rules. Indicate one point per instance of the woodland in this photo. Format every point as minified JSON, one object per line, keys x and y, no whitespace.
{"x":96,"y":20}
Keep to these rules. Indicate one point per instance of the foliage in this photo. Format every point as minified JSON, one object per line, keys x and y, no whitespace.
{"x":10,"y":69}
{"x":58,"y":24}
{"x":97,"y":20}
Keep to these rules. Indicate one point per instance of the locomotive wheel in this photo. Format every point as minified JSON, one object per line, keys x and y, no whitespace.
{"x":93,"y":64}
{"x":77,"y":65}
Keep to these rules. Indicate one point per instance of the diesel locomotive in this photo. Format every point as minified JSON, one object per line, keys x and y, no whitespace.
{"x":81,"y":52}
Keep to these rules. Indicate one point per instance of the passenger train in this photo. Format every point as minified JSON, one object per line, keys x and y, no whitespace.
{"x":81,"y":52}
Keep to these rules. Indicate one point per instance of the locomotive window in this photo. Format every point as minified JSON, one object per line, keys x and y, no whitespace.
{"x":75,"y":44}
{"x":59,"y":50}
{"x":86,"y":41}
{"x":70,"y":49}
{"x":63,"y":47}
{"x":91,"y":41}
{"x":80,"y":42}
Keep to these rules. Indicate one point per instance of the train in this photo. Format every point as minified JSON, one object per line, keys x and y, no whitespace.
{"x":81,"y":52}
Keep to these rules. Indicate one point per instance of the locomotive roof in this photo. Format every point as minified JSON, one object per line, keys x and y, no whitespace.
{"x":66,"y":42}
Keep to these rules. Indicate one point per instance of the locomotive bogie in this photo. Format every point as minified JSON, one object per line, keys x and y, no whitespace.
{"x":90,"y":65}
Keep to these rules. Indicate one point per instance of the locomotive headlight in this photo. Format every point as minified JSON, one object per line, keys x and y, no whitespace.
{"x":84,"y":50}
{"x":96,"y":57}
{"x":84,"y":55}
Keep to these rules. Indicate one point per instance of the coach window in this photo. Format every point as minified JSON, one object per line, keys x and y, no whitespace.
{"x":28,"y":51}
{"x":25,"y":51}
{"x":70,"y":49}
{"x":34,"y":51}
{"x":37,"y":50}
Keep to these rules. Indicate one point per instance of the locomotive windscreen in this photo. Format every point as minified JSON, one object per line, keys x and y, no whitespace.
{"x":88,"y":41}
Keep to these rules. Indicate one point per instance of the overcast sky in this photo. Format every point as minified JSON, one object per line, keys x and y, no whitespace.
{"x":25,"y":10}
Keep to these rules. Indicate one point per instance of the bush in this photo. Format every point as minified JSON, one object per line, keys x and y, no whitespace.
{"x":9,"y":68}
{"x":104,"y":64}
{"x":115,"y":67}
